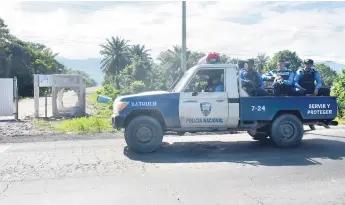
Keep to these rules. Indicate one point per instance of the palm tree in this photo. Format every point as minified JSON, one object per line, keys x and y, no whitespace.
{"x":261,"y":61}
{"x":141,"y":63}
{"x":140,"y":51}
{"x":172,"y":58}
{"x":116,"y":55}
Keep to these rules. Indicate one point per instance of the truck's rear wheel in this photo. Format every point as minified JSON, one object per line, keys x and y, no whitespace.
{"x":287,"y":131}
{"x":144,"y":134}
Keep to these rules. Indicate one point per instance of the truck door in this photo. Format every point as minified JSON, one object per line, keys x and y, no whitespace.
{"x":200,"y":108}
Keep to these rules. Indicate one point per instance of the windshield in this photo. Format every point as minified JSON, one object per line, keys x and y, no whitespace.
{"x":183,"y":81}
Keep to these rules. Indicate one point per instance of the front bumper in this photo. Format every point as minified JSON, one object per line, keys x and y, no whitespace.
{"x":118,"y":121}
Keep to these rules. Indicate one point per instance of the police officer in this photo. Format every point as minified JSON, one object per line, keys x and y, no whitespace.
{"x":215,"y":83}
{"x":219,"y":86}
{"x":241,"y":64}
{"x":251,"y":80}
{"x":305,"y":81}
{"x":283,"y":79}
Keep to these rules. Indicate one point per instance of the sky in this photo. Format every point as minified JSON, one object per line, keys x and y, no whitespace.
{"x":237,"y":28}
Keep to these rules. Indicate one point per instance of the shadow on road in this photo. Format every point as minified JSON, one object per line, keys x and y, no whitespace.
{"x":244,"y":152}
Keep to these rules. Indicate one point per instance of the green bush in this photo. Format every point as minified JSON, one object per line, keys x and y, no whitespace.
{"x":338,"y":90}
{"x":106,"y":90}
{"x":135,"y":87}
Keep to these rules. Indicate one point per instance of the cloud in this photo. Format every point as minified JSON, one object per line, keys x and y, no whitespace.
{"x":240,"y":29}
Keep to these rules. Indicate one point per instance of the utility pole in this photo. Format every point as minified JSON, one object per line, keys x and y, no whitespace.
{"x":184,"y":35}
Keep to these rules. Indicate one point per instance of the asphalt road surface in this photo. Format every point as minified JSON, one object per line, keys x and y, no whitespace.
{"x":210,"y":170}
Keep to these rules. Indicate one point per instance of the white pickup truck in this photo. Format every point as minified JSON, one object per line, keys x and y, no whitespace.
{"x":147,"y":116}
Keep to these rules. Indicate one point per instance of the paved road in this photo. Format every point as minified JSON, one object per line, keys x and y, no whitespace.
{"x":220,"y":170}
{"x":27,"y":106}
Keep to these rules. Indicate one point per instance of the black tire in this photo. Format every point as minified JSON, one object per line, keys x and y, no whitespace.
{"x":151,"y":134}
{"x":287,"y":131}
{"x":258,"y":136}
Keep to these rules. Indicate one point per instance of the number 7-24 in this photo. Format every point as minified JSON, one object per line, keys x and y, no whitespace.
{"x":259,"y":108}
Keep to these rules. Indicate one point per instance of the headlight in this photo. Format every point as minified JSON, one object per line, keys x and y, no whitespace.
{"x":118,"y":106}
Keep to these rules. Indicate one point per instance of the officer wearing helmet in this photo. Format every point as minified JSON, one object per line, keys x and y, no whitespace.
{"x":305,"y":79}
{"x":251,"y":80}
{"x":283,"y":79}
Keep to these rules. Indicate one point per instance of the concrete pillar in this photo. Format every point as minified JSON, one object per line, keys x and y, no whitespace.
{"x":82,"y":91}
{"x":54,"y":96}
{"x":36,"y":95}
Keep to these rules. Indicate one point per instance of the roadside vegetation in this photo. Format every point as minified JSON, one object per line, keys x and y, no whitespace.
{"x":80,"y":125}
{"x":85,"y":125}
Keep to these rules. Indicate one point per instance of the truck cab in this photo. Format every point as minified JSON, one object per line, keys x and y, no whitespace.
{"x":200,"y":108}
{"x":194,"y":105}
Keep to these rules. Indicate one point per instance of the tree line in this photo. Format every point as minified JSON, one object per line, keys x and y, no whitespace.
{"x":130,"y":66}
{"x":22,"y":59}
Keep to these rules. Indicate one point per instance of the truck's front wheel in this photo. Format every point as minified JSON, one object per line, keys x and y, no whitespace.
{"x":287,"y":131}
{"x":144,"y":134}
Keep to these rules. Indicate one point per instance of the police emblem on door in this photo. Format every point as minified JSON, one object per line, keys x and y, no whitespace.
{"x":205,"y":108}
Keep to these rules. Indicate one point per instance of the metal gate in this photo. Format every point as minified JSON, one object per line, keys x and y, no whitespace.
{"x":8,"y":96}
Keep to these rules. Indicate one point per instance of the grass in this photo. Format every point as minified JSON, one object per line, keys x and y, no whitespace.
{"x":44,"y":124}
{"x":93,"y":97}
{"x":85,"y":125}
{"x":82,"y":125}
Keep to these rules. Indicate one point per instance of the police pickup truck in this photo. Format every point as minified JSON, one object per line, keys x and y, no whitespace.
{"x":189,"y":107}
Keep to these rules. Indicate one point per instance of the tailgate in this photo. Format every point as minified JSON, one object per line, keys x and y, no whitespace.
{"x":265,"y":108}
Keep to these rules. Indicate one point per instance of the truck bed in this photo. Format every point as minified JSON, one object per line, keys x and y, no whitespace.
{"x":309,"y":107}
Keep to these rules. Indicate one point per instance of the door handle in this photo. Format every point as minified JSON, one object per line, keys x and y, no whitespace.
{"x":220,"y":100}
{"x":190,"y":101}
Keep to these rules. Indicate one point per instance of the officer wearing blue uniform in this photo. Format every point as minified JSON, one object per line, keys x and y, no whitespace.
{"x":219,"y":85}
{"x":305,"y":81}
{"x":251,"y":80}
{"x":283,"y":79}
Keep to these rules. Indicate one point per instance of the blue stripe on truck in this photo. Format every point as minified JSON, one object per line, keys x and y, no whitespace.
{"x":310,"y":108}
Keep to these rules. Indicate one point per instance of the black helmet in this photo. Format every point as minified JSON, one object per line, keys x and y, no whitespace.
{"x":308,"y":61}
